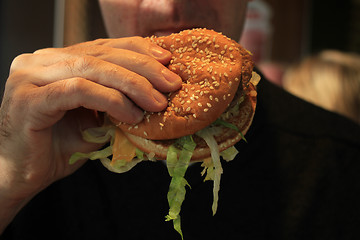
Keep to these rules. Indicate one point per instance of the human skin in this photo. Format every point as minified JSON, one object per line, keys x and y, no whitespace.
{"x":53,"y":94}
{"x":124,"y":18}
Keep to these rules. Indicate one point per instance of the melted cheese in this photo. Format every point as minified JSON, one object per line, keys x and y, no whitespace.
{"x":122,"y":148}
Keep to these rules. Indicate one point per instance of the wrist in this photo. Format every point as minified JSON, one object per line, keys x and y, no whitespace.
{"x":12,"y":198}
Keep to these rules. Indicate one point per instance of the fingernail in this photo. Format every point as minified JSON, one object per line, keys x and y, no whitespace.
{"x":138,"y":115}
{"x":171,"y":76}
{"x":158,"y":52}
{"x":160,"y":98}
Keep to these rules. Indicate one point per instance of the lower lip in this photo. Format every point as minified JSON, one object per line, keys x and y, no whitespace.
{"x":169,"y":31}
{"x":163,"y":33}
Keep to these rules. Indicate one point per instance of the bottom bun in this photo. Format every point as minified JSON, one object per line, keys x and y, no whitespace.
{"x":225,"y":137}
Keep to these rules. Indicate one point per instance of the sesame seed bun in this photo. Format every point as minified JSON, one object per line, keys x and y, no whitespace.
{"x":225,"y":137}
{"x":212,"y":67}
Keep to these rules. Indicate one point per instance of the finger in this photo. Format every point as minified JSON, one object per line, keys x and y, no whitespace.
{"x":158,"y":75}
{"x":53,"y":100}
{"x":134,"y":86}
{"x":139,"y":45}
{"x":134,"y":44}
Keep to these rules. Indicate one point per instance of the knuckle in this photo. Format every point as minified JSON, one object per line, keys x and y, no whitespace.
{"x":44,"y":50}
{"x":69,"y":91}
{"x":100,"y":41}
{"x":143,"y":60}
{"x":74,"y":85}
{"x":114,"y":99}
{"x":135,"y":82}
{"x":137,"y":43}
{"x":20,"y":61}
{"x":16,"y":77}
{"x":136,"y":40}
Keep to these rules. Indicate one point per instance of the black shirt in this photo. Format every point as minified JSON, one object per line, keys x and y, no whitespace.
{"x":298,"y":177}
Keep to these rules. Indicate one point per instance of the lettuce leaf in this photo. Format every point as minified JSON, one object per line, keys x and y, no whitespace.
{"x":229,"y":154}
{"x":105,"y":134}
{"x":177,"y":161}
{"x":215,"y":166}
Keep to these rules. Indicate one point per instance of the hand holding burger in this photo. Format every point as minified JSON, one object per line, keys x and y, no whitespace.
{"x":204,"y":119}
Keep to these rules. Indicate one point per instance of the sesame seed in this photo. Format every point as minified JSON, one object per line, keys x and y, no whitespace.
{"x":206,"y":109}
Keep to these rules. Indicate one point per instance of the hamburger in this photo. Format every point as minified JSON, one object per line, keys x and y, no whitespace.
{"x":204,"y":119}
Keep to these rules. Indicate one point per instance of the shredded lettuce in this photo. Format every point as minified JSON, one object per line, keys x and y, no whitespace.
{"x":216,"y":167}
{"x":120,"y":166}
{"x":105,"y":134}
{"x":178,"y":158}
{"x":177,"y":161}
{"x":139,"y":154}
{"x":102,"y":134}
{"x":229,"y":154}
{"x":208,"y":166}
{"x":99,"y":134}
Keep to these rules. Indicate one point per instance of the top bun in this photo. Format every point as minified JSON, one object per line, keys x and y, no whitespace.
{"x":212,"y":67}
